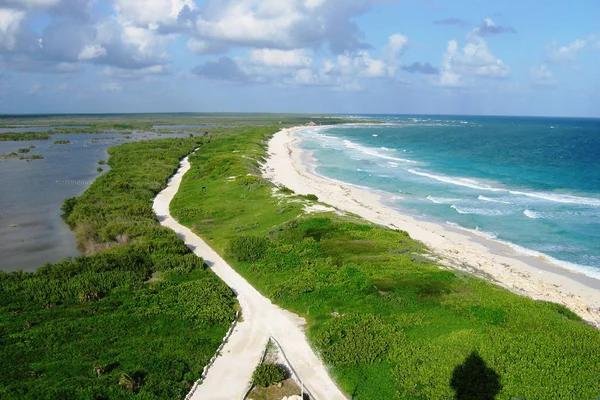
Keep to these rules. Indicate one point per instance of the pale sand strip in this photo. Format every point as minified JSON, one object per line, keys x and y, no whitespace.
{"x":230,"y":374}
{"x":533,"y":277}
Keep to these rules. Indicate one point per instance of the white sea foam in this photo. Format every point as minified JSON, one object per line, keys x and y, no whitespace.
{"x":479,"y":211}
{"x":587,"y":270}
{"x":493,"y":200}
{"x":374,"y":135}
{"x":560,"y":198}
{"x":474,"y":184}
{"x":582,"y":269}
{"x":489,"y":235}
{"x":467,"y":182}
{"x":441,"y":200}
{"x":532,"y":214}
{"x":374,"y":152}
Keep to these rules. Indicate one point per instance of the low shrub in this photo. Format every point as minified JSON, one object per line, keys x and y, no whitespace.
{"x":268,"y":374}
{"x":247,"y":248}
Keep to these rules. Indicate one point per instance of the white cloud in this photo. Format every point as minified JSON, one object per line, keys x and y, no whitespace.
{"x":459,"y":67}
{"x":396,"y":46}
{"x":279,"y":24}
{"x":542,"y":76}
{"x":565,"y":54}
{"x":151,"y":12}
{"x":10,"y":25}
{"x":281,"y":58}
{"x":91,"y":52}
{"x":296,"y":67}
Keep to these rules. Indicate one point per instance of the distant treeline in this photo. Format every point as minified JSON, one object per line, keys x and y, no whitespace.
{"x":138,"y":317}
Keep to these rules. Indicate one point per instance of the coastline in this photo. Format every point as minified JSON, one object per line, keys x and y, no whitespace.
{"x":458,"y":249}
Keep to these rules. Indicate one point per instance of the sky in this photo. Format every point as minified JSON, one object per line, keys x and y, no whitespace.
{"x":466,"y":57}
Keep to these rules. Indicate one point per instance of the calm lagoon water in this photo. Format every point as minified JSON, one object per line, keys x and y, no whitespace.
{"x":32,"y":231}
{"x":533,"y":183}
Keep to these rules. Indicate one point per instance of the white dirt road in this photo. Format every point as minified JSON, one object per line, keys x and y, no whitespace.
{"x":231,"y":372}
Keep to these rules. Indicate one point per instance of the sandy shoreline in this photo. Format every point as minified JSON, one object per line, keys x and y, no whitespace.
{"x":533,"y":277}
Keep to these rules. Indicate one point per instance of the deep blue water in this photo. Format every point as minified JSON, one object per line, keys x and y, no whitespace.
{"x":531,"y":182}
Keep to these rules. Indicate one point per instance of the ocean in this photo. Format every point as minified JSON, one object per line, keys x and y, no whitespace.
{"x":531,"y":183}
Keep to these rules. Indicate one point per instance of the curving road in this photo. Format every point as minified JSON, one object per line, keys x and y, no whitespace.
{"x":231,"y":372}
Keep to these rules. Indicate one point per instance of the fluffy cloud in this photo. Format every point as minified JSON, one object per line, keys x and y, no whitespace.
{"x":75,"y":36}
{"x":152,"y":12}
{"x":565,"y":54}
{"x":10,"y":27}
{"x":345,"y":71}
{"x":281,"y":58}
{"x":475,"y":60}
{"x":277,"y":24}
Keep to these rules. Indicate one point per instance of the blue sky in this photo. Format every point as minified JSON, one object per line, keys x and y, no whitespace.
{"x":329,"y":56}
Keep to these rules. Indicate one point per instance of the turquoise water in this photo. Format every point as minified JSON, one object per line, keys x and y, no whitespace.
{"x":533,"y":183}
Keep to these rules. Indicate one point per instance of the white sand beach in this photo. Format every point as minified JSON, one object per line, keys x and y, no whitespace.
{"x":534,"y":277}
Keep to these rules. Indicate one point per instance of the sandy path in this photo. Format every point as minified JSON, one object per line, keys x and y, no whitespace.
{"x":288,"y":164}
{"x":230,"y":374}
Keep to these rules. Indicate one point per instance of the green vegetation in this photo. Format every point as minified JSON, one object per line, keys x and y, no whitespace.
{"x":24,"y":150}
{"x":19,"y":136}
{"x":138,"y":317}
{"x":388,"y":321}
{"x":21,"y":155}
{"x":61,"y":142}
{"x":99,"y":169}
{"x":268,"y":374}
{"x":9,"y":155}
{"x":101,"y":162}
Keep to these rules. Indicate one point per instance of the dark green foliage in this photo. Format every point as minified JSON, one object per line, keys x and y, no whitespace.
{"x":19,"y":136}
{"x":137,"y":318}
{"x":311,"y":197}
{"x":99,"y":169}
{"x":68,"y":205}
{"x":21,"y":155}
{"x":285,"y":190}
{"x":268,"y":374}
{"x":24,"y":150}
{"x":247,"y":248}
{"x":386,"y":319}
{"x":61,"y":142}
{"x":101,"y":162}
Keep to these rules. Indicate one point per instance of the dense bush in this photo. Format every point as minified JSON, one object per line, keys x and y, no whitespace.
{"x":268,"y":374}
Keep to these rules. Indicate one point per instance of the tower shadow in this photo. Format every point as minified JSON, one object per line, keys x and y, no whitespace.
{"x":473,"y":380}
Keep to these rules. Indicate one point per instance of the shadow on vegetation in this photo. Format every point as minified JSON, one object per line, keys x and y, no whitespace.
{"x":473,"y":380}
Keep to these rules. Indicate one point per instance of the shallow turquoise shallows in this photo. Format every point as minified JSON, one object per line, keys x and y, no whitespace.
{"x":531,"y":182}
